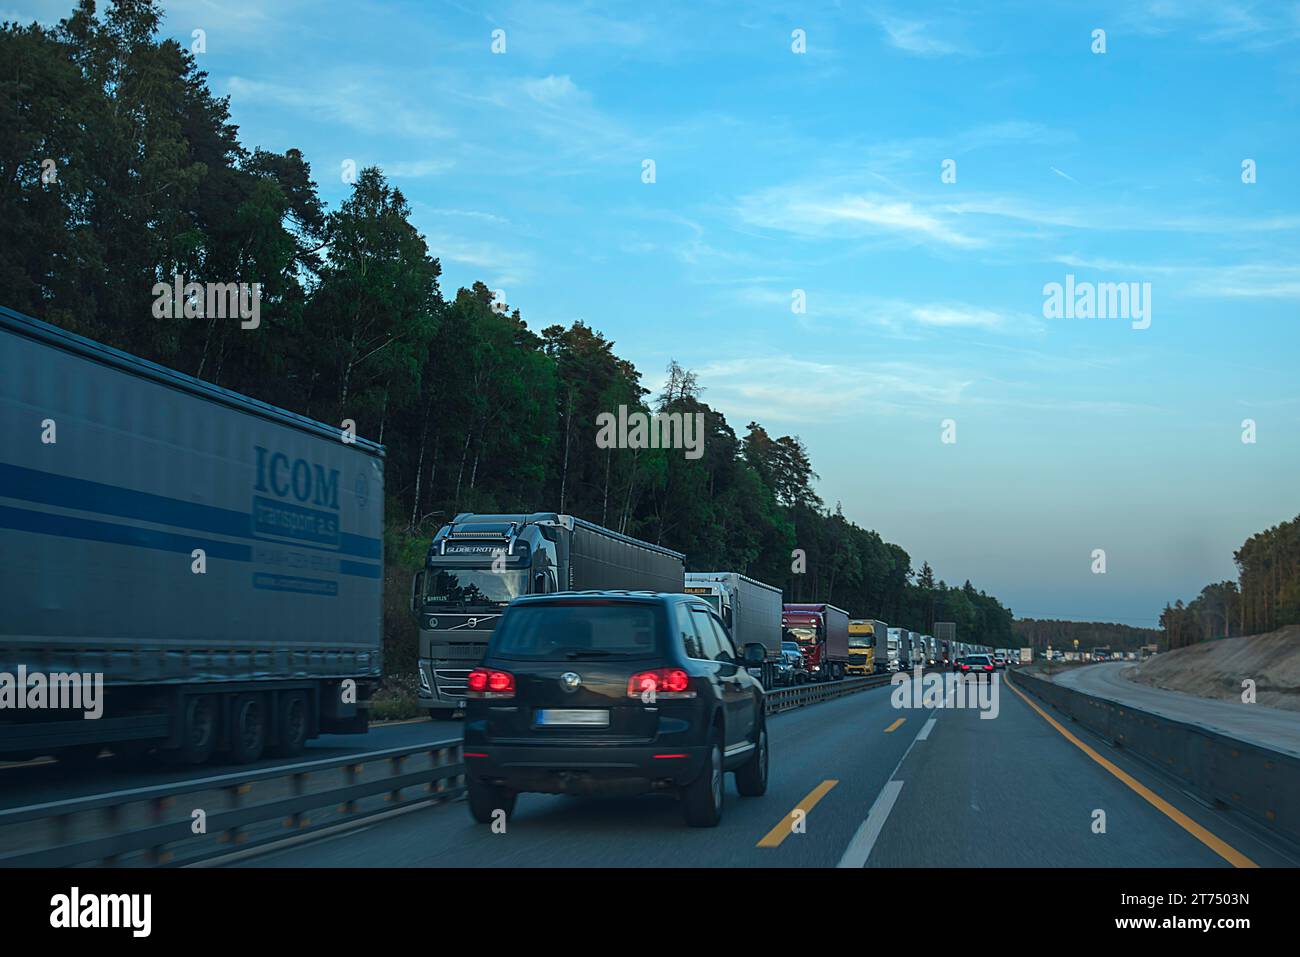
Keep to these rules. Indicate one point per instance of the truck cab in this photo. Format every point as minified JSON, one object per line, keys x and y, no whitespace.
{"x":478,"y":563}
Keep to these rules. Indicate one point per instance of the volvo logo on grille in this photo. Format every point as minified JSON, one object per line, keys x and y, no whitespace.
{"x":569,"y":681}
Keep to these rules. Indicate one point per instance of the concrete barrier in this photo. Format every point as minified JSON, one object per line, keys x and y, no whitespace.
{"x":1259,"y":783}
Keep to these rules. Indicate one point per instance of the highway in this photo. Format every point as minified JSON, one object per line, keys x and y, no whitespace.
{"x":881,"y":787}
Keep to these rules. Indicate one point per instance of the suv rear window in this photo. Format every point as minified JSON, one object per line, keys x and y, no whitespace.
{"x":573,"y":630}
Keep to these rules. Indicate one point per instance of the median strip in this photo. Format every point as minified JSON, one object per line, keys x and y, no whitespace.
{"x":779,"y":833}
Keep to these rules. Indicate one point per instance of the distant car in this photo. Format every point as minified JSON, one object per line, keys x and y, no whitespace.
{"x":613,"y":693}
{"x":1000,"y":661}
{"x":791,"y":669}
{"x":975,"y":665}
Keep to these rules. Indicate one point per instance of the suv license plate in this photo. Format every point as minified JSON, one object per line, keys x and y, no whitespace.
{"x":590,"y":718}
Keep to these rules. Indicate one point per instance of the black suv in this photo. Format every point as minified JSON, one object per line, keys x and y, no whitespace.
{"x":597,"y":693}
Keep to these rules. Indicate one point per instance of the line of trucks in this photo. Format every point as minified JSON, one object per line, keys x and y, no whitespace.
{"x":189,"y":571}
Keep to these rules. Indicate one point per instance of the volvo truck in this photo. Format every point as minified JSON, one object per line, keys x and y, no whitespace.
{"x":822,"y":632}
{"x":750,"y":609}
{"x":193,"y":570}
{"x":477,"y":564}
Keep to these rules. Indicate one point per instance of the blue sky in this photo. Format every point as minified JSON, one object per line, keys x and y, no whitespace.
{"x":820,"y":171}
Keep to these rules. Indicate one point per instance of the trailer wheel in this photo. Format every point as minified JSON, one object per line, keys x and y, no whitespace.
{"x":198,"y":729}
{"x":247,"y":728}
{"x":292,"y":725}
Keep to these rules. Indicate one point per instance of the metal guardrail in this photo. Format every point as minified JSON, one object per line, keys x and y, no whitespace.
{"x":798,"y":696}
{"x":155,"y":825}
{"x":1260,"y":783}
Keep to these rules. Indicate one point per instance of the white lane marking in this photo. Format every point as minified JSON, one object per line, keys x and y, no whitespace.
{"x":859,"y":849}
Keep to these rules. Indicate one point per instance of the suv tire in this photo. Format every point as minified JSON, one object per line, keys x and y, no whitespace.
{"x":486,"y":799}
{"x":751,"y":777}
{"x":702,"y":799}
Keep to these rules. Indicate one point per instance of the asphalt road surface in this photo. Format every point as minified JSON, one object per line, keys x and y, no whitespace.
{"x":880,"y":787}
{"x":1266,"y":727}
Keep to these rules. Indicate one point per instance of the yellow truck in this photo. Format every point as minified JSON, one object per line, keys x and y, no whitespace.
{"x":862,"y":645}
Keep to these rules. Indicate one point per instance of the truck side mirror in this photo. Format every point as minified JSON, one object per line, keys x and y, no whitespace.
{"x":417,"y":589}
{"x":539,"y":583}
{"x":754,"y":654}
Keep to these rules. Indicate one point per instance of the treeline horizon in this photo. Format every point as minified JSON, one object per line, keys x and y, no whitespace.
{"x":1265,"y":597}
{"x":1060,"y":634}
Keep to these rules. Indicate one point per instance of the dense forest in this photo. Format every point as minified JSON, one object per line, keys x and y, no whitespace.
{"x":119,"y":170}
{"x":1266,"y":596}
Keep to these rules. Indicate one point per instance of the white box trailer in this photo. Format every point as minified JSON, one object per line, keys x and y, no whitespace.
{"x":750,"y":609}
{"x":216,"y":560}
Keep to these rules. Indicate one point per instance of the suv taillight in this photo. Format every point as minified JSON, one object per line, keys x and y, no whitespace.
{"x":490,"y":683}
{"x":661,"y":682}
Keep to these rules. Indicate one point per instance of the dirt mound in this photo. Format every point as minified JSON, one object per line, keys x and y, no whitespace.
{"x":1216,"y":669}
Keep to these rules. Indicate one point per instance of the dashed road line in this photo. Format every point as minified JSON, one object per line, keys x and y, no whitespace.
{"x":779,"y":833}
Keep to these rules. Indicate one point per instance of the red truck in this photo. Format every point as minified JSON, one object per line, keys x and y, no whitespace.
{"x":822,"y":632}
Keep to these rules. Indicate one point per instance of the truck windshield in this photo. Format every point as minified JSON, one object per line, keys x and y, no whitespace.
{"x":803,"y":635}
{"x":474,"y":586}
{"x":859,"y":641}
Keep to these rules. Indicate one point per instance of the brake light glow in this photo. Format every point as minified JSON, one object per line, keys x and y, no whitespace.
{"x":490,"y":683}
{"x":660,"y":682}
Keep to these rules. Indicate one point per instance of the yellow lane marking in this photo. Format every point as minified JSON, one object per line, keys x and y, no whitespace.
{"x":1217,"y":845}
{"x":895,"y":725}
{"x":782,"y":830}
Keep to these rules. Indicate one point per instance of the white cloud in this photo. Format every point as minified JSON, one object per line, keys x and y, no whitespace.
{"x":496,"y":265}
{"x":792,"y":209}
{"x":959,"y":316}
{"x":785,"y":389}
{"x":915,"y":36}
{"x":1246,"y":25}
{"x":370,"y":105}
{"x":1237,"y":281}
{"x":553,"y":89}
{"x":416,"y":169}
